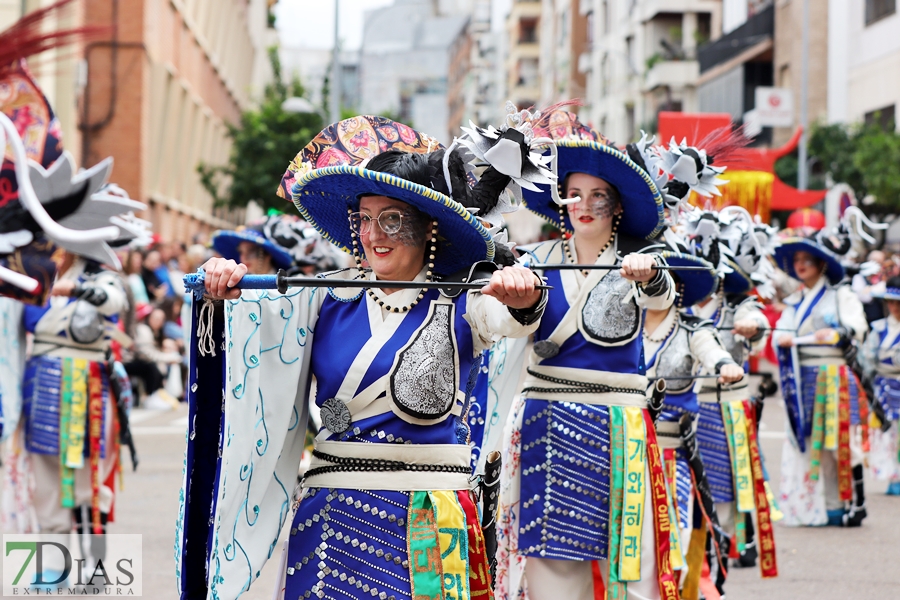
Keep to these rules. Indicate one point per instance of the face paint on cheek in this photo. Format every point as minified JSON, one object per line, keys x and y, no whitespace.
{"x":412,"y":229}
{"x":601,"y":207}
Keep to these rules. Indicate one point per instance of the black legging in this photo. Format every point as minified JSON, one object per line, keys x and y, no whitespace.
{"x":146,"y":371}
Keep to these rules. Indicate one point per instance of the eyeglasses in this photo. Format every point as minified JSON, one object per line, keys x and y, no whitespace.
{"x":390,"y":222}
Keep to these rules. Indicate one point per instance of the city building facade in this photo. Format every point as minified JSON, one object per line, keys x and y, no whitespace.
{"x":156,"y":95}
{"x":863,"y":60}
{"x":641,"y":58}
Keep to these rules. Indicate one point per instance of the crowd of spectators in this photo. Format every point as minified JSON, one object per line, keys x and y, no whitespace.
{"x":158,"y":319}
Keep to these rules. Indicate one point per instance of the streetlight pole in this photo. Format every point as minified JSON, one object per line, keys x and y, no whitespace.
{"x":335,"y":100}
{"x":803,"y":167}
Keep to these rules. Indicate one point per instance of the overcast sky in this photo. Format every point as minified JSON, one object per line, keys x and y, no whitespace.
{"x":310,"y":23}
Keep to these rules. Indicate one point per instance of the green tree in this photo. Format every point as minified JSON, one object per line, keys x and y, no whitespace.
{"x":866,"y":157}
{"x":263,"y":144}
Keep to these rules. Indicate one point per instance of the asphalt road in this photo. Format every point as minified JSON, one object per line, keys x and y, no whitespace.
{"x":821,"y":563}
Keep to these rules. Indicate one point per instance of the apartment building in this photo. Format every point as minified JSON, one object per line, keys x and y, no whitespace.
{"x":640,"y":58}
{"x":523,"y":83}
{"x":863,"y":61}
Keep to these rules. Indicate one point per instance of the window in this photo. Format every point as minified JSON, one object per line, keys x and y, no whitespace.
{"x":590,"y":30}
{"x":528,"y":31}
{"x":879,"y":9}
{"x":882,"y":117}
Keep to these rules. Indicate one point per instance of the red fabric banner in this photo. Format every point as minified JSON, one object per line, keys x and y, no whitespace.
{"x":668,"y":587}
{"x":845,"y":470}
{"x":768,"y":563}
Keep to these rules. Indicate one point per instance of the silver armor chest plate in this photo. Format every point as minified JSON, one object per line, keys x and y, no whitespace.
{"x":675,"y":363}
{"x":605,"y":317}
{"x":424,"y":380}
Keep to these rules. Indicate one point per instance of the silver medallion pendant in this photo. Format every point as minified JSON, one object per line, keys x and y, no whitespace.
{"x":335,"y":416}
{"x":546,"y":348}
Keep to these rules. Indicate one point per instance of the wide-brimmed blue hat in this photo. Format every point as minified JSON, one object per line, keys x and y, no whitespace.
{"x":890,"y":293}
{"x":581,"y":149}
{"x":693,"y":286}
{"x":328,"y":177}
{"x":784,"y":257}
{"x":226,"y":243}
{"x":738,"y":281}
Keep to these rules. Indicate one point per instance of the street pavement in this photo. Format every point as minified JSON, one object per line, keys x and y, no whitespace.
{"x":807,"y":558}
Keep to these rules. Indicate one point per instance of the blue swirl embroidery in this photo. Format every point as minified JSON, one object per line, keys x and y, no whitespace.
{"x":261,"y":410}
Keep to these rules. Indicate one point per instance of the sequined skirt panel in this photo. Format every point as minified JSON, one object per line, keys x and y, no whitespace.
{"x":713,"y":443}
{"x":565,"y":481}
{"x":887,"y":390}
{"x":41,"y":400}
{"x":357,"y":544}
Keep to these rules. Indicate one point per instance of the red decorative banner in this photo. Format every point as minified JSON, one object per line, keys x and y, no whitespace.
{"x":768,"y":563}
{"x":95,"y":431}
{"x":862,"y":401}
{"x":668,"y":587}
{"x":479,"y":573}
{"x":845,"y":470}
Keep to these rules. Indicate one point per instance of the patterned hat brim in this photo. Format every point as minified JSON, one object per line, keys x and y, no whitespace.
{"x":226,"y":243}
{"x":694,"y":286}
{"x":642,"y":204}
{"x":323,"y":196}
{"x":784,"y":257}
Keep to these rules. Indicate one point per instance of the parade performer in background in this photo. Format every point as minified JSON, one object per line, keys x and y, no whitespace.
{"x":881,"y":361}
{"x":255,"y":246}
{"x":677,"y":347}
{"x":822,"y":461}
{"x":61,"y":426}
{"x":385,"y":509}
{"x":726,"y":432}
{"x":582,"y":485}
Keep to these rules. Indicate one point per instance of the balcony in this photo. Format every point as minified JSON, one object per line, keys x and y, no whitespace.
{"x":652,"y":8}
{"x":675,"y":74}
{"x":752,"y":38}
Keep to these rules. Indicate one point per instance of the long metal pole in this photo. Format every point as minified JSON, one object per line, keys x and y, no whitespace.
{"x":803,"y":167}
{"x":335,"y":99}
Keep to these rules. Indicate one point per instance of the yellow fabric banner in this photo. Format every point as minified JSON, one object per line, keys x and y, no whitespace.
{"x":743,"y":476}
{"x":78,"y":414}
{"x":635,"y":495}
{"x":454,"y":541}
{"x":831,"y":409}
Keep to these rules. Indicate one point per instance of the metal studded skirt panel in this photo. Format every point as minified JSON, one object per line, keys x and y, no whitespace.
{"x":887,"y":391}
{"x":55,"y":395}
{"x":565,"y":480}
{"x":386,"y":545}
{"x":714,"y":451}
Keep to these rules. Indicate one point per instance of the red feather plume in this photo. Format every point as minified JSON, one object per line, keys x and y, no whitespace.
{"x":29,"y":35}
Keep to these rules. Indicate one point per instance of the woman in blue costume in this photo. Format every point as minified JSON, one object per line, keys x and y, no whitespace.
{"x":386,"y":508}
{"x":677,"y":347}
{"x":822,"y":462}
{"x":881,"y":358}
{"x":579,"y":445}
